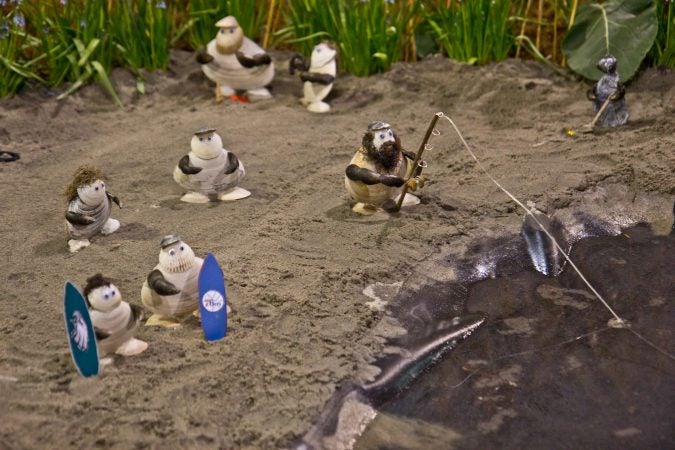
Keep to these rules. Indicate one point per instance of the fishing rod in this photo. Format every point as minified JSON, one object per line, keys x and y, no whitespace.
{"x":416,"y":166}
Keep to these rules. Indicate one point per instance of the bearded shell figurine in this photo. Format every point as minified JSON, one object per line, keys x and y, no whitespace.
{"x":379,"y":169}
{"x":89,"y":206}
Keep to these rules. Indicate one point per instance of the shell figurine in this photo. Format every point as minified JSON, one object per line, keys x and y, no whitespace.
{"x":236,"y":63}
{"x":209,"y":171}
{"x":609,"y":89}
{"x":379,"y":169}
{"x":318,"y":77}
{"x":89,"y":206}
{"x":115,"y":321}
{"x":171,"y":290}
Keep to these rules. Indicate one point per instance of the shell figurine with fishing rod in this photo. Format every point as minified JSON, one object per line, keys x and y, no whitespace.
{"x":381,"y":172}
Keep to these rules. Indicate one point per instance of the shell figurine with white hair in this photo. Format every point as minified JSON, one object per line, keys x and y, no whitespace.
{"x":236,"y":63}
{"x":89,"y":206}
{"x":115,"y":321}
{"x":318,"y":76}
{"x":209,"y":171}
{"x":171,"y":290}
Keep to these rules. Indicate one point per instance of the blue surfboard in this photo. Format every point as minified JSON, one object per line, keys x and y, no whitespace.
{"x":212,"y":299}
{"x":81,"y":337}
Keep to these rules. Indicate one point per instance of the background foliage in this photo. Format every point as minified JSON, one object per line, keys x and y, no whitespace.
{"x":77,"y":41}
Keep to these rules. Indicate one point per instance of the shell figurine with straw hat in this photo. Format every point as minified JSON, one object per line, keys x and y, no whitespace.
{"x":236,"y":63}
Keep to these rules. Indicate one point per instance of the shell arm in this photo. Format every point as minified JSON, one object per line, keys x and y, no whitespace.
{"x":158,"y":284}
{"x":78,"y":218}
{"x":100,"y":334}
{"x":204,"y":58}
{"x":366,"y":176}
{"x":232,"y":163}
{"x":136,"y":313}
{"x":260,"y":59}
{"x":321,"y":78}
{"x":297,"y":62}
{"x":186,"y":168}
{"x":590,"y":94}
{"x":115,"y":199}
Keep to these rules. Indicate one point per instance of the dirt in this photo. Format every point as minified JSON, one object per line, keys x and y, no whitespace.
{"x":295,"y":257}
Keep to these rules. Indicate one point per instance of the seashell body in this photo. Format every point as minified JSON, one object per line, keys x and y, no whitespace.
{"x":374,"y":194}
{"x":212,"y":179}
{"x":226,"y":69}
{"x":322,"y":62}
{"x":100,"y":213}
{"x":120,"y":323}
{"x":178,"y":305}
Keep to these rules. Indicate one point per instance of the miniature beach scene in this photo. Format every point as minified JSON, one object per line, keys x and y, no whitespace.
{"x":337,"y":225}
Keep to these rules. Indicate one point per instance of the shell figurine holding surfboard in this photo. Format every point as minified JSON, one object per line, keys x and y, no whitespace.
{"x":115,"y":321}
{"x":171,"y":289}
{"x":378,"y":171}
{"x":209,"y":171}
{"x":89,"y":206}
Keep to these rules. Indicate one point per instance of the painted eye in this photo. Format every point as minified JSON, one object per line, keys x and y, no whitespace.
{"x":318,"y":50}
{"x":106,"y":296}
{"x":102,"y":185}
{"x":209,"y":138}
{"x":231,"y":30}
{"x":96,"y":188}
{"x":381,"y":135}
{"x":201,"y":139}
{"x":172,"y":252}
{"x":112,"y":294}
{"x":182,"y":248}
{"x":222,"y":31}
{"x":390,"y":133}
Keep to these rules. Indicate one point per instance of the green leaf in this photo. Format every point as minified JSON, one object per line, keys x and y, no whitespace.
{"x":625,"y":29}
{"x":103,"y":78}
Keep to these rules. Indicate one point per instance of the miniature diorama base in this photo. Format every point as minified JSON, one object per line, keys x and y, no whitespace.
{"x":157,"y":320}
{"x":318,"y":107}
{"x":110,"y":226}
{"x":75,"y":245}
{"x":368,"y":210}
{"x":132,"y":347}
{"x":236,"y":193}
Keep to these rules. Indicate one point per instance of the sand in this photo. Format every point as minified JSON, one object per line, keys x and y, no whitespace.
{"x":295,"y":257}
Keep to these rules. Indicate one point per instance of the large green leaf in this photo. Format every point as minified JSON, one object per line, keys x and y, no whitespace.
{"x":623,"y":28}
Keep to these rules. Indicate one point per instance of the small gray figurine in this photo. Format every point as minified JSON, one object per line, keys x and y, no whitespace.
{"x":609,"y":87}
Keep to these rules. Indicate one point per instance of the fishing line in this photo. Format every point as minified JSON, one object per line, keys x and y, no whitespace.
{"x":619,"y":322}
{"x":616,"y":322}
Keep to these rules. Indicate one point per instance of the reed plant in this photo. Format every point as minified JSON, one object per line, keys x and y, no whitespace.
{"x":663,"y":51}
{"x":15,"y":44}
{"x":73,"y":37}
{"x":141,"y":32}
{"x":474,"y":31}
{"x":369,"y":34}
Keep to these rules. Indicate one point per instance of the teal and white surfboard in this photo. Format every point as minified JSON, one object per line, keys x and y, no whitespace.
{"x":81,"y":337}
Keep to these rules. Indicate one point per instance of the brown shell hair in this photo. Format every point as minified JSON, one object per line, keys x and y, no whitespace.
{"x":83,"y":175}
{"x":95,"y":282}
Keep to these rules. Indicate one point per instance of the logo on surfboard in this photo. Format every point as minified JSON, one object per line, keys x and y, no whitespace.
{"x":213,"y":301}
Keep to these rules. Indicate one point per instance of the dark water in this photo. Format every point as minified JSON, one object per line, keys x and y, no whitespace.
{"x":545,"y":371}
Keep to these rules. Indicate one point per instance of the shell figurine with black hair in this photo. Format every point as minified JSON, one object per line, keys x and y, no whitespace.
{"x":115,"y":321}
